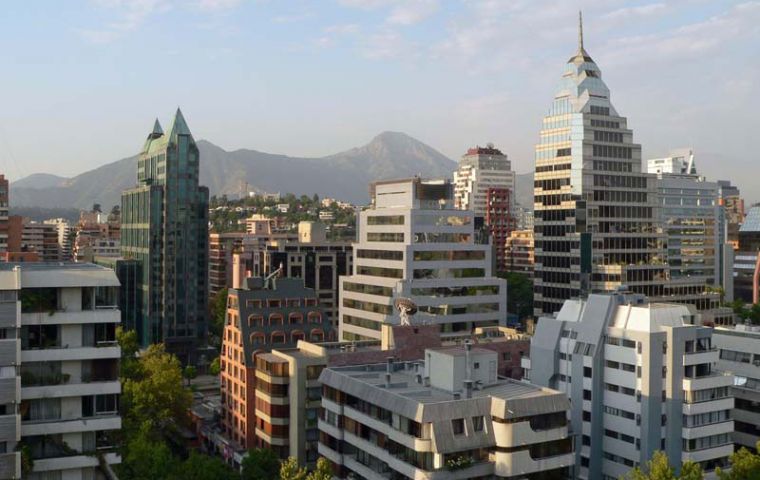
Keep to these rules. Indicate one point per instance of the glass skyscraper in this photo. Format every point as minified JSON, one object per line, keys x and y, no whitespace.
{"x":596,"y":218}
{"x":164,"y":227}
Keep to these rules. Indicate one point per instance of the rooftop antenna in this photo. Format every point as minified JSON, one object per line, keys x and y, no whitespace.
{"x":580,"y":31}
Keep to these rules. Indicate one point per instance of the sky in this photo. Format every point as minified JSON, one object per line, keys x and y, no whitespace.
{"x":84,"y":80}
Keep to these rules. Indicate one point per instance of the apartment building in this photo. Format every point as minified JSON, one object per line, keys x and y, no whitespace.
{"x":746,"y":275}
{"x":414,"y":244}
{"x":729,"y":197}
{"x":65,"y":233}
{"x":60,"y":369}
{"x":446,"y":416}
{"x":519,"y":252}
{"x":641,"y":377}
{"x":739,"y":348}
{"x":221,"y":247}
{"x":41,"y":238}
{"x":268,"y":313}
{"x":4,"y":204}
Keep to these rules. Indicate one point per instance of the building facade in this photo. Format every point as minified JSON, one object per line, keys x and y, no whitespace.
{"x":221,"y":246}
{"x":520,"y":252}
{"x":444,"y":416}
{"x":596,"y":212}
{"x":414,"y":244}
{"x":740,"y":356}
{"x":165,"y":228}
{"x":4,"y":204}
{"x":65,"y":233}
{"x":641,"y":377}
{"x":269,"y":313}
{"x":60,"y":388}
{"x":730,"y":199}
{"x":41,"y":238}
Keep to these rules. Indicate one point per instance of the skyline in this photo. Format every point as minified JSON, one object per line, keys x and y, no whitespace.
{"x":239,"y":69}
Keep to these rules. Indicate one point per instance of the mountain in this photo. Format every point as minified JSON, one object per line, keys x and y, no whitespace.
{"x":345,"y":175}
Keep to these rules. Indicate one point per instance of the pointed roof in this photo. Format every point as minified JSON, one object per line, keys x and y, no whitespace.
{"x":581,"y":55}
{"x":157,"y":128}
{"x":179,"y":125}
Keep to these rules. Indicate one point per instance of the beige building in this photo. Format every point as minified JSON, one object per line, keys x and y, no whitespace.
{"x":520,"y":252}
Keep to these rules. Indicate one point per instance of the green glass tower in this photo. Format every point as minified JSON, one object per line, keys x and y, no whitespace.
{"x":164,"y":227}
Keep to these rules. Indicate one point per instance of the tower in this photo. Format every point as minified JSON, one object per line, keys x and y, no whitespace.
{"x":596,"y":217}
{"x":164,"y":227}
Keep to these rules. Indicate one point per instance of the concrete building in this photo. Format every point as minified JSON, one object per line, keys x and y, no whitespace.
{"x":60,"y":369}
{"x":165,"y":228}
{"x":447,"y":416}
{"x":65,"y":233}
{"x":739,"y":348}
{"x":41,"y":238}
{"x":730,"y":199}
{"x":596,"y":213}
{"x":414,"y":244}
{"x":747,"y":259}
{"x":4,"y":204}
{"x":520,"y":252}
{"x":691,"y":222}
{"x":268,"y":313}
{"x":221,"y":246}
{"x":484,"y":183}
{"x":641,"y":377}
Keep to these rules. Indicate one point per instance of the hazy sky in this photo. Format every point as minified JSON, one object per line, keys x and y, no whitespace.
{"x":83,"y":80}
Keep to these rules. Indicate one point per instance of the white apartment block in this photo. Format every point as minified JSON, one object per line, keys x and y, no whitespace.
{"x":641,"y":377}
{"x":447,"y":417}
{"x":479,"y":169}
{"x":59,"y":370}
{"x":414,"y":244}
{"x":739,"y":348}
{"x":679,"y":162}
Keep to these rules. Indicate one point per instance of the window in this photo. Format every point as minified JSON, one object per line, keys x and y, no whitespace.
{"x":478,"y":424}
{"x":457,"y":426}
{"x":587,"y":394}
{"x":476,"y":365}
{"x":587,"y":372}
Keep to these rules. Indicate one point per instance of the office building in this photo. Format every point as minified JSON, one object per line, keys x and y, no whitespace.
{"x":484,"y":183}
{"x":519,"y":252}
{"x":165,"y":228}
{"x":747,"y":259}
{"x":730,"y":198}
{"x":691,"y":223}
{"x":414,"y":244}
{"x":446,"y":416}
{"x":641,"y":377}
{"x":59,"y":384}
{"x":269,"y":313}
{"x":4,"y":204}
{"x":596,"y":212}
{"x":129,"y":300}
{"x":740,"y":356}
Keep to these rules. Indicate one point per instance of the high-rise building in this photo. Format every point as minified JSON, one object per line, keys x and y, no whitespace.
{"x":730,"y":198}
{"x":165,"y":228}
{"x":740,"y":356}
{"x":4,"y":204}
{"x":59,"y":369}
{"x":221,"y":246}
{"x":747,"y":258}
{"x":484,"y":183}
{"x":519,"y":252}
{"x":691,"y":222}
{"x":414,"y":244}
{"x":596,"y":219}
{"x":446,"y":415}
{"x":269,"y":313}
{"x":641,"y":377}
{"x":65,"y":232}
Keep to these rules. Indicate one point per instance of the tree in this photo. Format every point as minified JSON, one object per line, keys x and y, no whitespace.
{"x":218,"y":312}
{"x":745,"y":465}
{"x":156,"y":399}
{"x":215,"y":368}
{"x":190,"y":372}
{"x":146,"y":459}
{"x":519,"y":294}
{"x":322,"y":472}
{"x":658,"y":468}
{"x":129,"y":367}
{"x":203,"y":467}
{"x":290,"y":470}
{"x":260,"y":464}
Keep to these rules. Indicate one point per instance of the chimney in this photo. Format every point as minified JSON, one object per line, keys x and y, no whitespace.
{"x":387,"y":380}
{"x":467,"y":388}
{"x":468,"y":371}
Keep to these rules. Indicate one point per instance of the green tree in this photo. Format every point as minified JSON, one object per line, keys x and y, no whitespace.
{"x":215,"y":367}
{"x":322,"y":472}
{"x":260,"y":464}
{"x":290,"y":470}
{"x":146,"y":459}
{"x":218,"y":312}
{"x":129,"y":366}
{"x":745,"y":465}
{"x":155,"y":400}
{"x":658,"y":468}
{"x":519,"y":294}
{"x":190,"y":372}
{"x":203,"y":467}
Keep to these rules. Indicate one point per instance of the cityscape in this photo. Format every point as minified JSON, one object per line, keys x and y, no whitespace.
{"x":386,"y":313}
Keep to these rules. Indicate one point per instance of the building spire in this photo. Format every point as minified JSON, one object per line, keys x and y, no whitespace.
{"x":580,"y":31}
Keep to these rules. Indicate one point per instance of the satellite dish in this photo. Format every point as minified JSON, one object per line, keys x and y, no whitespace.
{"x":406,"y":307}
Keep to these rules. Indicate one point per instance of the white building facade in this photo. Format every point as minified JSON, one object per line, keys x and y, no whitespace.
{"x":641,"y":377}
{"x":479,"y":169}
{"x":414,"y":244}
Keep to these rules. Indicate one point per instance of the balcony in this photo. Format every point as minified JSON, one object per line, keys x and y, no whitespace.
{"x":71,"y":353}
{"x":62,"y":317}
{"x":516,"y":434}
{"x":709,"y":381}
{"x":52,"y":427}
{"x":725,"y":403}
{"x":407,"y":440}
{"x":521,"y":463}
{"x":74,"y":461}
{"x":726,"y":426}
{"x":708,"y":453}
{"x":9,"y":315}
{"x":10,"y":425}
{"x":10,"y":390}
{"x":10,"y":465}
{"x":10,"y":352}
{"x":704,"y":356}
{"x":71,"y":390}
